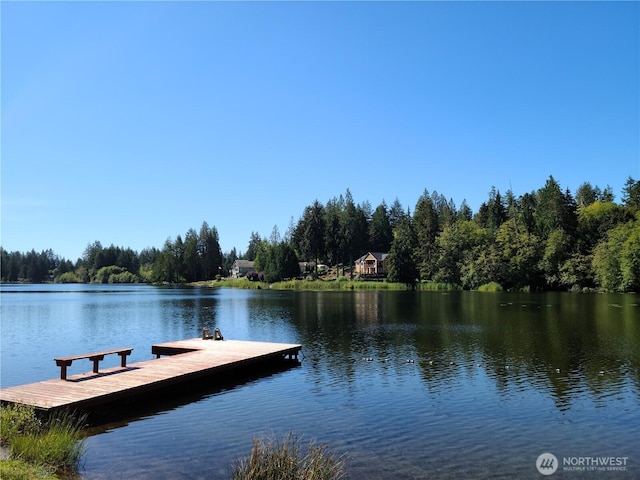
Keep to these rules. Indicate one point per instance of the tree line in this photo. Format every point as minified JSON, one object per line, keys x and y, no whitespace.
{"x":547,"y":239}
{"x":196,"y":257}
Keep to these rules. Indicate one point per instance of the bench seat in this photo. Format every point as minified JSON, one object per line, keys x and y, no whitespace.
{"x":95,"y":357}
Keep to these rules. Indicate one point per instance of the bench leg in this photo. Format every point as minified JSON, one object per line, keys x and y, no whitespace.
{"x":63,"y":364}
{"x":95,"y":361}
{"x":123,"y":359}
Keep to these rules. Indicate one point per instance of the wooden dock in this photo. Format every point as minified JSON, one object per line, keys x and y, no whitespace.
{"x":177,"y":362}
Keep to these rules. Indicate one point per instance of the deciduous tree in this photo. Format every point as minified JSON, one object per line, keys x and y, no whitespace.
{"x":616,"y":260}
{"x":456,"y":244}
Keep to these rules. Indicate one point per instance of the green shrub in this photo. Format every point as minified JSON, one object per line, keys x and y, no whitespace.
{"x":123,"y":277}
{"x":18,"y":420}
{"x":490,"y":287}
{"x":438,"y":286}
{"x":242,"y":283}
{"x":68,"y":277}
{"x":114,"y":274}
{"x":288,"y":460}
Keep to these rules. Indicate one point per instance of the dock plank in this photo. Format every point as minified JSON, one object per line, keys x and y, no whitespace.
{"x":203,"y":357}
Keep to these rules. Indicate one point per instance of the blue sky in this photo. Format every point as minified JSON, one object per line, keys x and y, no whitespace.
{"x":131,"y":122}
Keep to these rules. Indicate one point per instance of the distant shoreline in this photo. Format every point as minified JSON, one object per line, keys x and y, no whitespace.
{"x":342,"y":284}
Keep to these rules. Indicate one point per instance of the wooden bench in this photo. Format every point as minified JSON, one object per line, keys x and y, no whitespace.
{"x":95,"y":357}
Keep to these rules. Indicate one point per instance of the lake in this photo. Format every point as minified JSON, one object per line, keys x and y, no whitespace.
{"x":407,"y":385}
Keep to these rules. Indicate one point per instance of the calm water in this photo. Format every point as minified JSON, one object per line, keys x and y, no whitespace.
{"x":481,"y":397}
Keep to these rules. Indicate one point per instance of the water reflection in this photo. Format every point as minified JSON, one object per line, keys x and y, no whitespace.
{"x":561,"y":345}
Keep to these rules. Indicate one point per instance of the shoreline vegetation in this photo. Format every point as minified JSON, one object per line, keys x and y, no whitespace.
{"x":37,"y":447}
{"x":343,"y":283}
{"x":289,"y":459}
{"x":346,"y":284}
{"x":340,"y":284}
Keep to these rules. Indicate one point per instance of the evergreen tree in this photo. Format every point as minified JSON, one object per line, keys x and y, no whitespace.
{"x":587,"y":194}
{"x":333,"y":235}
{"x":177,"y":254}
{"x":310,"y":233}
{"x":396,"y":213}
{"x":275,"y":235}
{"x":426,"y":226}
{"x":464,"y":213}
{"x":90,"y":255}
{"x":527,"y":205}
{"x":607,"y":195}
{"x":353,"y":230}
{"x":402,"y":265}
{"x":10,"y":265}
{"x":36,"y":266}
{"x":631,"y":193}
{"x":148,"y":256}
{"x":496,"y":210}
{"x":449,"y":213}
{"x":511,"y":205}
{"x":380,"y":232}
{"x":4,"y":262}
{"x":445,"y":210}
{"x":127,"y":259}
{"x":570,"y":217}
{"x":209,"y":252}
{"x":164,"y":268}
{"x":190,"y":258}
{"x":551,"y":211}
{"x":227,"y":261}
{"x":277,"y":261}
{"x":252,"y":249}
{"x":482,"y":216}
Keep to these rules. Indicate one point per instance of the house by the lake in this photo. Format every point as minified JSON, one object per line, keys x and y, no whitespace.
{"x":372,"y":264}
{"x":240,"y":268}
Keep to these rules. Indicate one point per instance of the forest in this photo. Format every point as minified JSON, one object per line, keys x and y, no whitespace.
{"x":549,"y":239}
